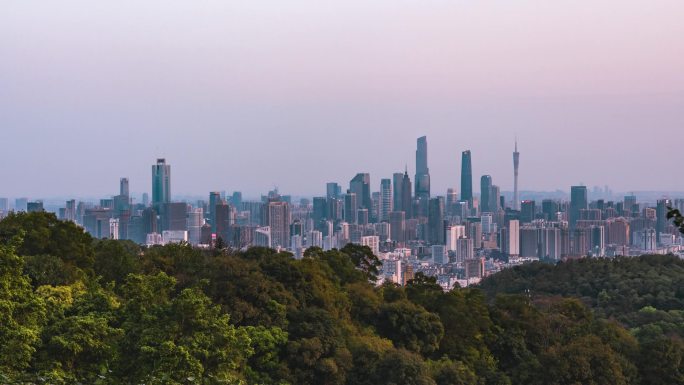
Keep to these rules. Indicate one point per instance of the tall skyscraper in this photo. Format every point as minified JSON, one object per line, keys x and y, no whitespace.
{"x":123,"y":187}
{"x":333,"y":190}
{"x":350,"y":207}
{"x":422,"y":180}
{"x":360,"y":185}
{"x":578,"y":201}
{"x":485,"y":191}
{"x":278,"y":219}
{"x":406,"y":198}
{"x":397,"y":180}
{"x":161,"y":183}
{"x":466,"y":177}
{"x":386,"y":198}
{"x":516,"y":163}
{"x":661,"y":216}
{"x":214,"y":200}
{"x":436,"y":230}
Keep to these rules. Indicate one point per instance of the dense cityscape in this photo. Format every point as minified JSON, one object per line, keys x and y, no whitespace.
{"x":458,"y":238}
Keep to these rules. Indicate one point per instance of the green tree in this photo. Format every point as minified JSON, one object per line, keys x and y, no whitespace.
{"x":22,"y":313}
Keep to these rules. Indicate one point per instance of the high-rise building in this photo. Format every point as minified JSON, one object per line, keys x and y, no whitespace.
{"x":512,"y":238}
{"x":350,"y":207}
{"x":195,"y":221}
{"x":214,"y":200}
{"x":495,"y":199}
{"x":406,"y":198}
{"x":422,"y":180}
{"x":360,"y":185}
{"x":320,"y":209}
{"x":578,"y":201}
{"x":224,"y":215}
{"x":485,"y":191}
{"x":661,"y":216}
{"x":175,"y":216}
{"x":436,"y":230}
{"x":34,"y":207}
{"x":550,"y":208}
{"x":451,"y":202}
{"x":397,"y":181}
{"x":279,"y":217}
{"x":516,"y":163}
{"x":527,"y":211}
{"x":333,"y":190}
{"x":161,"y":183}
{"x":528,"y":242}
{"x":386,"y":200}
{"x":398,"y":226}
{"x":466,"y":177}
{"x":20,"y":204}
{"x":123,"y":187}
{"x":4,"y":205}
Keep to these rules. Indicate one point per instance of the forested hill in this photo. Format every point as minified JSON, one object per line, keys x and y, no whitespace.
{"x":633,"y":290}
{"x":78,"y":310}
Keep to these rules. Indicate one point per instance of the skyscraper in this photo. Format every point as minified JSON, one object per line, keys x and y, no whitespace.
{"x":360,"y":185}
{"x":333,"y":190}
{"x":397,"y":180}
{"x":422,"y":179}
{"x":466,"y":177}
{"x":485,"y":191}
{"x":516,"y":163}
{"x":661,"y":216}
{"x":436,"y":230}
{"x":123,"y":187}
{"x":386,"y":198}
{"x":406,"y":199}
{"x":578,"y":201}
{"x":278,"y":219}
{"x":161,"y":183}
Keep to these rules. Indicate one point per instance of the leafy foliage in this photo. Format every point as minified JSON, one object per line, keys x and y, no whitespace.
{"x":77,"y":310}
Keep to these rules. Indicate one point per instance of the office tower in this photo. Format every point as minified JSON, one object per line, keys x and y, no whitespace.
{"x":661,"y":216}
{"x":451,"y":202}
{"x":466,"y":178}
{"x":550,"y":208}
{"x":175,"y":217}
{"x":386,"y":199}
{"x":453,"y":234}
{"x":630,"y":206}
{"x":422,"y":180}
{"x":360,"y":185}
{"x":333,"y":190}
{"x":34,"y":207}
{"x":488,"y":225}
{"x":397,"y":181}
{"x":20,"y":204}
{"x":320,"y":209}
{"x":236,"y":200}
{"x":214,"y":200}
{"x":465,"y":249}
{"x":70,"y":211}
{"x":485,"y":191}
{"x":516,"y":163}
{"x":195,"y":221}
{"x":146,"y":199}
{"x":374,"y":214}
{"x":578,"y":201}
{"x":406,"y":198}
{"x":278,"y":219}
{"x":436,"y":230}
{"x":149,"y":221}
{"x":335,"y":209}
{"x":123,"y":187}
{"x":350,"y":205}
{"x":527,"y":211}
{"x":161,"y":183}
{"x":439,"y":254}
{"x":225,"y":219}
{"x":475,"y":233}
{"x":362,"y":217}
{"x":398,"y":226}
{"x":495,"y":199}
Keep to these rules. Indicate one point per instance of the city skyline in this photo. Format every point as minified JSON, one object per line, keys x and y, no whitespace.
{"x":247,"y":96}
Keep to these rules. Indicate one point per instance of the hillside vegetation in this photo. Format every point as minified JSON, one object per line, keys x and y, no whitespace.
{"x":74,"y":309}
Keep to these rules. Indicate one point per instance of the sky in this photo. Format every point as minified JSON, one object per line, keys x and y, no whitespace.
{"x":248,"y":95}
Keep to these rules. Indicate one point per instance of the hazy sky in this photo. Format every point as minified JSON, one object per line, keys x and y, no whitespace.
{"x":250,"y":94}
